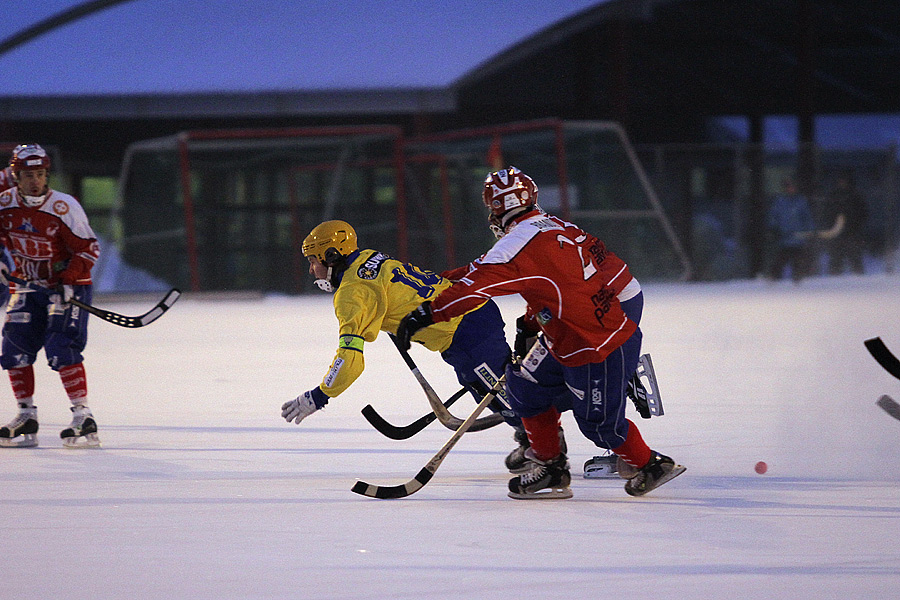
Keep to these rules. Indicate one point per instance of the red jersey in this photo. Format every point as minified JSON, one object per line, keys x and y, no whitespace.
{"x":568,"y":278}
{"x":50,"y":244}
{"x":6,"y":179}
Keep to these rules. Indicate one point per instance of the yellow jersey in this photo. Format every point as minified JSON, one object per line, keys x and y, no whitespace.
{"x":375,"y":293}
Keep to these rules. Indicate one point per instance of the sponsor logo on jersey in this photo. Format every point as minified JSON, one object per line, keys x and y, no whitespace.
{"x":602,"y":302}
{"x":333,"y":373}
{"x":370,"y":268}
{"x":27,"y":247}
{"x":60,"y":207}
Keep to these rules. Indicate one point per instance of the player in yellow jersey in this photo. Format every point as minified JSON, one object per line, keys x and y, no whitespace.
{"x":372,"y":293}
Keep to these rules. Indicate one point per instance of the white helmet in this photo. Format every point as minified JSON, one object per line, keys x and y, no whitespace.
{"x":30,"y":157}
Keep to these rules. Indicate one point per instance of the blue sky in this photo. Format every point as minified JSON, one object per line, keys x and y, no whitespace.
{"x":173,"y":46}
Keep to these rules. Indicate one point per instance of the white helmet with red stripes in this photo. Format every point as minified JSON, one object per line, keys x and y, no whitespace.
{"x":508,"y":193}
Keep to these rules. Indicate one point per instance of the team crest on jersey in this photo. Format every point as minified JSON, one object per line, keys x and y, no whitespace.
{"x":5,"y":199}
{"x":27,"y":226}
{"x":60,"y":207}
{"x":370,"y":268}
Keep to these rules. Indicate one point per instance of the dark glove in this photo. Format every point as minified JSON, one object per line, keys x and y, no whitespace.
{"x":417,"y":319}
{"x":638,"y":394}
{"x":525,"y":337}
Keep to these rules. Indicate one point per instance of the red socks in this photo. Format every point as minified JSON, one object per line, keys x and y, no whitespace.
{"x":75,"y":382}
{"x":22,"y":380}
{"x":543,"y":433}
{"x":634,"y":451}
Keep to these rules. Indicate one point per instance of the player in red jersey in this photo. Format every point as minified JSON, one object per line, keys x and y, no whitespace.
{"x":586,"y":306}
{"x":6,"y":179}
{"x":53,"y":246}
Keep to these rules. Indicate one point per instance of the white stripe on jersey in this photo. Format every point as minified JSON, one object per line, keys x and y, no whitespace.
{"x":480,"y":294}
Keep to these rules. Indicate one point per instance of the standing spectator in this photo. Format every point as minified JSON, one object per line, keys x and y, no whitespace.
{"x":585,"y":308}
{"x":846,"y":244}
{"x":791,"y":226}
{"x":53,"y":246}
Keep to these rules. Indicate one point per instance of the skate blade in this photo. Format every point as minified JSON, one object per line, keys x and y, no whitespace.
{"x":523,"y":469}
{"x":84,"y":441}
{"x":601,"y":473}
{"x":26,"y":440}
{"x":550,"y":494}
{"x":601,"y":467}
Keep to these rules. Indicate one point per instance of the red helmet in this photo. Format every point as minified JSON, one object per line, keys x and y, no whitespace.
{"x":508,"y":193}
{"x":29,"y":157}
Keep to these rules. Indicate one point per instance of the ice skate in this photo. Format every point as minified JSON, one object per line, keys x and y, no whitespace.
{"x":21,"y":432}
{"x":658,"y":471}
{"x":516,"y":461}
{"x":602,"y":467}
{"x":82,"y":431}
{"x":543,"y":481}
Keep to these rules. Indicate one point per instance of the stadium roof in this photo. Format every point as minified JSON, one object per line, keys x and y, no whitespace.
{"x":227,"y":56}
{"x":658,"y":66}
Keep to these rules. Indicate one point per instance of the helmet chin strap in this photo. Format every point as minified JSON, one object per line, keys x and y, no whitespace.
{"x":325,"y":284}
{"x":499,"y":225}
{"x":33,"y":201}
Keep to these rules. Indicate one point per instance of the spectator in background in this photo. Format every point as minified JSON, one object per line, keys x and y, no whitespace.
{"x":790,"y":224}
{"x":844,"y":212}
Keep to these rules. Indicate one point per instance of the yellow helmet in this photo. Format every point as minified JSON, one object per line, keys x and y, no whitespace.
{"x":330,"y":241}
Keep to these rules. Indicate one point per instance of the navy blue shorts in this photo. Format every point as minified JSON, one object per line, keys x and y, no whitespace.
{"x":480,"y":353}
{"x":34,"y":322}
{"x":595,"y":392}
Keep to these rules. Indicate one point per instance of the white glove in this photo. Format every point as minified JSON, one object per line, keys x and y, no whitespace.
{"x":299,"y":408}
{"x":4,"y":271}
{"x":62,"y":294}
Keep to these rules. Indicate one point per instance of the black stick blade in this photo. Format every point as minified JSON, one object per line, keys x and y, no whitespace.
{"x":884,"y":356}
{"x":406,"y":432}
{"x":388,"y":492}
{"x":890,"y":406}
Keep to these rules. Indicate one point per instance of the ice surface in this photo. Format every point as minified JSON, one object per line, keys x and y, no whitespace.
{"x":201,"y":490}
